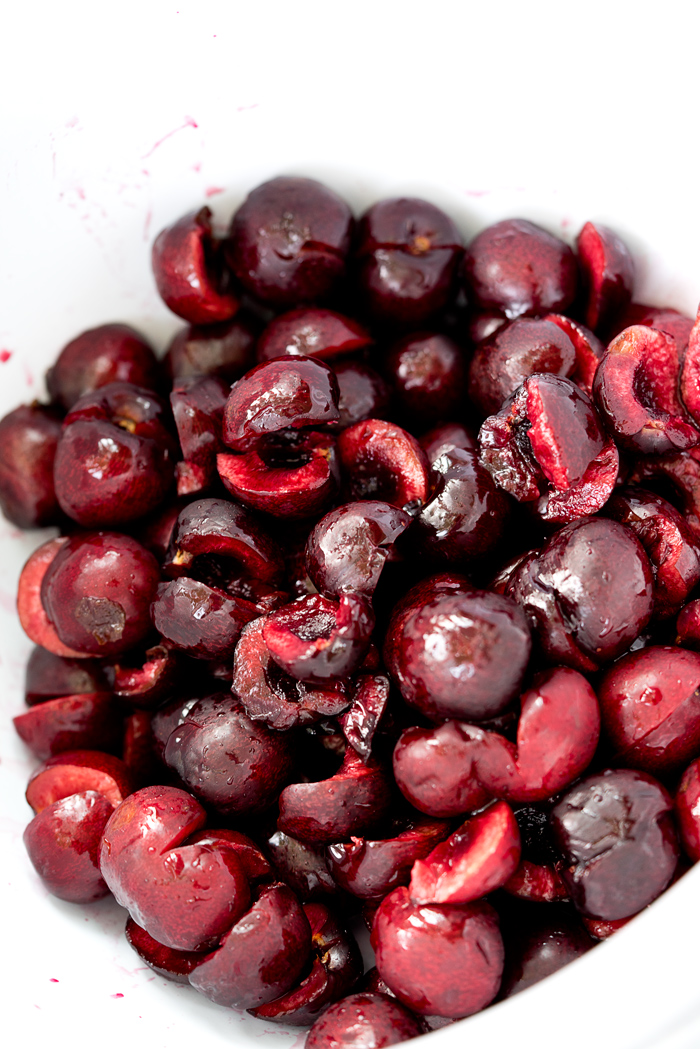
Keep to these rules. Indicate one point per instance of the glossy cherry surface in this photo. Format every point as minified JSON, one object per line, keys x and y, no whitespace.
{"x":520,"y":269}
{"x":618,"y":841}
{"x":289,"y":241}
{"x":416,"y":944}
{"x":29,"y":437}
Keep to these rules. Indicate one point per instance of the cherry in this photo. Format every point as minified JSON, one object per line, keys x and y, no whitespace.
{"x":48,"y":676}
{"x":477,"y":858}
{"x":270,"y":695}
{"x":360,"y":721}
{"x":97,"y":592}
{"x":303,"y":867}
{"x":76,"y":771}
{"x":461,"y":655}
{"x":363,"y":1021}
{"x":289,"y":241}
{"x":153,"y":872}
{"x":428,"y":374}
{"x":438,"y":958}
{"x":607,"y":269}
{"x":363,"y":393}
{"x":687,"y":810}
{"x":190,"y":273}
{"x":225,"y":350}
{"x":166,"y":961}
{"x":198,"y":406}
{"x":346,"y":805}
{"x":295,"y":476}
{"x":547,"y":446}
{"x":317,"y":640}
{"x":616,"y":833}
{"x":100,"y":356}
{"x":408,"y":251}
{"x":285,"y":392}
{"x":380,"y":460}
{"x":370,"y":868}
{"x":542,"y":945}
{"x":227,"y":761}
{"x":520,"y":269}
{"x":636,"y":392}
{"x":670,"y":545}
{"x":335,"y":969}
{"x":90,"y":721}
{"x":63,"y":843}
{"x":504,"y":360}
{"x":348,"y":548}
{"x":467,"y":516}
{"x":29,"y":437}
{"x":311,"y":332}
{"x":114,"y":461}
{"x":650,"y":705}
{"x":261,"y":957}
{"x":588,"y":594}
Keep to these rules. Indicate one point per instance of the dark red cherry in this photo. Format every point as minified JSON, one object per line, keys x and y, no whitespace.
{"x":114,"y":461}
{"x":520,"y":269}
{"x":467,"y":516}
{"x":514,"y":352}
{"x":29,"y":437}
{"x":349,"y":547}
{"x":261,"y":957}
{"x":311,"y":332}
{"x":428,"y":374}
{"x":364,"y":1021}
{"x":380,"y":460}
{"x":615,"y":830}
{"x":461,"y":655}
{"x":98,"y":590}
{"x":317,"y":640}
{"x":636,"y":392}
{"x":408,"y":251}
{"x":272,"y":396}
{"x":607,"y":269}
{"x":225,"y":350}
{"x":438,"y":959}
{"x":650,"y":705}
{"x":588,"y":594}
{"x":289,"y":241}
{"x":236,"y":765}
{"x":335,"y":969}
{"x":190,"y":272}
{"x":63,"y":843}
{"x":98,"y":357}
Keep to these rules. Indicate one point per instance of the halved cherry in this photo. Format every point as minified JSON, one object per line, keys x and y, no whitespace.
{"x":311,"y":332}
{"x":75,"y":771}
{"x":334,"y":809}
{"x":190,"y":272}
{"x":90,"y":721}
{"x":382,"y":461}
{"x":335,"y":969}
{"x":32,"y":616}
{"x":477,"y":858}
{"x":296,"y":478}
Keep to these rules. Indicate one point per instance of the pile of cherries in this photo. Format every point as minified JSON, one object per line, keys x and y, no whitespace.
{"x":373,"y":597}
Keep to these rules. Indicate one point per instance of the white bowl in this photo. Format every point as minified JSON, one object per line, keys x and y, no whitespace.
{"x":217,"y":102}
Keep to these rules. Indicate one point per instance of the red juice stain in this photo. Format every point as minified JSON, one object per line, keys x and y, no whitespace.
{"x":189,"y":122}
{"x":117,"y":995}
{"x":211,"y":191}
{"x":5,"y":356}
{"x":53,"y":980}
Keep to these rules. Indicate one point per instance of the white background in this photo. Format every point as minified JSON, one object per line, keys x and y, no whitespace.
{"x":117,"y":118}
